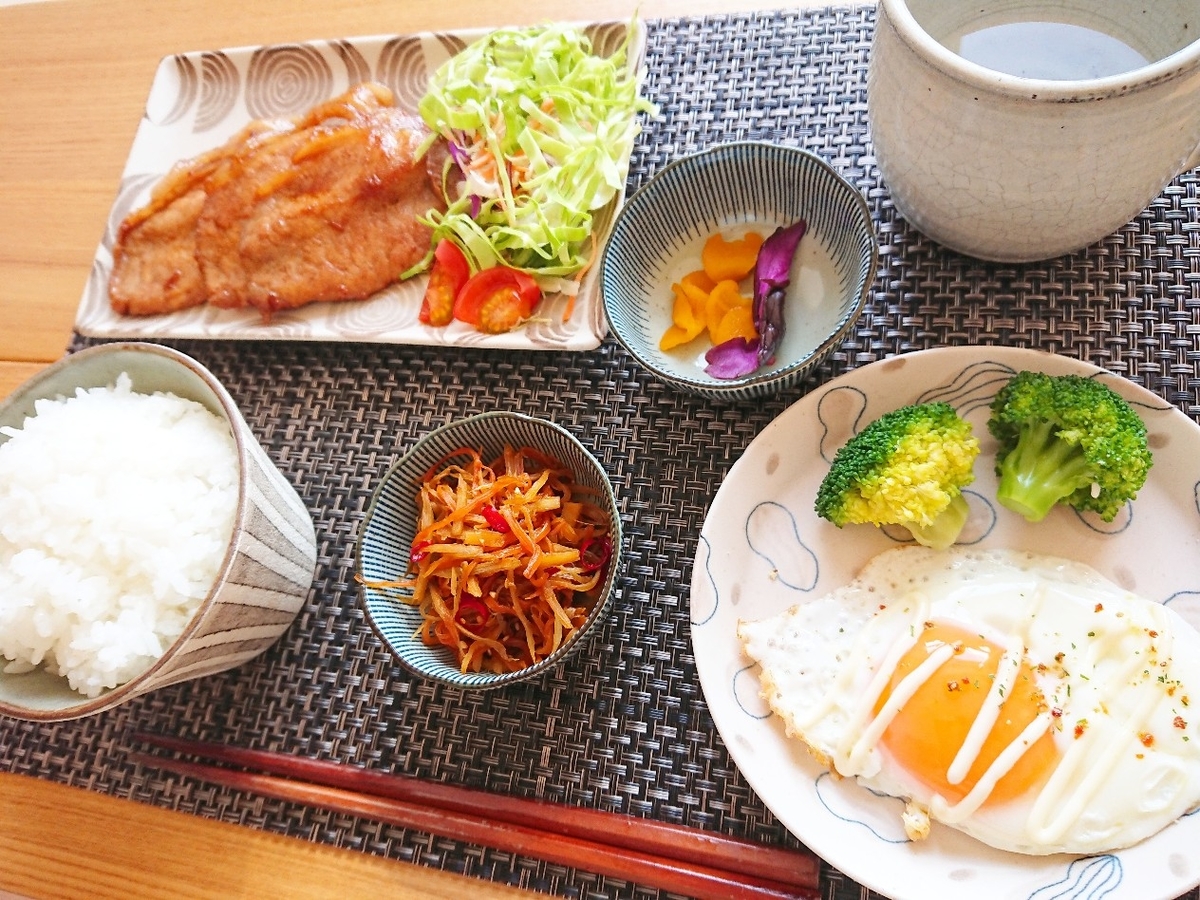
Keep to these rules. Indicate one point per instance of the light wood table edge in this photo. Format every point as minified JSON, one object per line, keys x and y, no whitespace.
{"x":138,"y":850}
{"x":14,"y":374}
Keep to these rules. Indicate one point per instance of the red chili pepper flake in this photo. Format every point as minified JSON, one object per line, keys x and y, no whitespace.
{"x":1080,"y":728}
{"x":952,"y":685}
{"x":469,"y":605}
{"x":593,"y":557}
{"x":495,"y":519}
{"x":1146,"y":738}
{"x":1179,"y":722}
{"x":1056,"y":712}
{"x":1152,"y":633}
{"x":1099,"y":607}
{"x":418,"y":551}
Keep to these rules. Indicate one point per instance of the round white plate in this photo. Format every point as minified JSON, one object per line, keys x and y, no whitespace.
{"x":762,"y":549}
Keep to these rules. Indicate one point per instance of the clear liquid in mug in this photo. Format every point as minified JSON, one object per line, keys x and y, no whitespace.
{"x":1055,"y":51}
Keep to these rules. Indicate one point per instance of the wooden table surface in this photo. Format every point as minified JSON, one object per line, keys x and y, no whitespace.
{"x":75,"y":76}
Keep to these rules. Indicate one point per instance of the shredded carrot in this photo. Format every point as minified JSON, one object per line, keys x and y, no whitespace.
{"x":578,"y":277}
{"x":502,"y":565}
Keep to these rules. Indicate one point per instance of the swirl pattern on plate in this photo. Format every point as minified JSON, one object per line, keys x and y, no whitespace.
{"x":358,"y":69}
{"x":219,"y":85}
{"x":286,"y":80}
{"x":214,"y":94}
{"x":187,"y":86}
{"x":401,"y":67}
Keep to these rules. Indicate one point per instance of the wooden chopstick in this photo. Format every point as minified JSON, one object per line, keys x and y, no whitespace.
{"x":673,"y":857}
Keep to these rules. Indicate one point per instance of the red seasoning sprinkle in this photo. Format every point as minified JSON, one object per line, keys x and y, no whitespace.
{"x":1146,"y":738}
{"x":1179,"y":722}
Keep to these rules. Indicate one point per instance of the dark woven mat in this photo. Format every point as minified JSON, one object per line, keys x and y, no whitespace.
{"x":622,"y":727}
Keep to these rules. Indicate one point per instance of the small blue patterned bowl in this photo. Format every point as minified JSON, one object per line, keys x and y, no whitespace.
{"x":390,"y":527}
{"x":730,"y":188}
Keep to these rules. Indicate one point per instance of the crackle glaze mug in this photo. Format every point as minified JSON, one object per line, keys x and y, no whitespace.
{"x":1018,"y":130}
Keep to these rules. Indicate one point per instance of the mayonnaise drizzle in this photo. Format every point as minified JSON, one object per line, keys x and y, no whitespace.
{"x":858,"y":663}
{"x":987,"y":782}
{"x":1066,"y":794}
{"x":853,"y":755}
{"x":1006,"y":676}
{"x":1058,"y":807}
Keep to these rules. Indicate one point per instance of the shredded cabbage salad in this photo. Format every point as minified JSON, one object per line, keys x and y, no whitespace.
{"x":539,"y":130}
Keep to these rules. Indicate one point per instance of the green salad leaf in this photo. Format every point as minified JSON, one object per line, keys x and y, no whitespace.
{"x":540,"y":129}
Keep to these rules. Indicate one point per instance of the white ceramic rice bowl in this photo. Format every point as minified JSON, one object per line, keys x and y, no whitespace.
{"x":268,"y":567}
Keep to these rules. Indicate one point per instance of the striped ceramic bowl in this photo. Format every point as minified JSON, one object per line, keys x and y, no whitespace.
{"x":390,"y":526}
{"x":268,"y":567}
{"x":729,"y":189}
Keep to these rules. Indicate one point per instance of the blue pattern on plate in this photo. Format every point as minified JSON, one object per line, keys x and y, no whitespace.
{"x":746,"y":694}
{"x":779,"y":471}
{"x":840,"y":411}
{"x":1086,"y":878}
{"x":972,"y":389}
{"x":889,"y":809}
{"x":773,"y":535}
{"x":714,"y":597}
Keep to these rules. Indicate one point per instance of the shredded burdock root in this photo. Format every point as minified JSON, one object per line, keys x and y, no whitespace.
{"x":507,"y":559}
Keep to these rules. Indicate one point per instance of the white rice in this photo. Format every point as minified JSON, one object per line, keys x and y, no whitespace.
{"x":116,"y":510}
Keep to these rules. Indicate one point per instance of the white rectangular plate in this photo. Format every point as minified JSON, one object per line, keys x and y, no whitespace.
{"x":199,"y":100}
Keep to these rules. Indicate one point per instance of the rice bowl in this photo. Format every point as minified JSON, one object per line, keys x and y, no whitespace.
{"x":211,"y":570}
{"x":115,"y":511}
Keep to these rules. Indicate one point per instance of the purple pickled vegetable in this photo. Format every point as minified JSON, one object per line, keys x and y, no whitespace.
{"x":732,"y":359}
{"x":771,"y":278}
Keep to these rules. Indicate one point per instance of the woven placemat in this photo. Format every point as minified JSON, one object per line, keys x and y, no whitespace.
{"x":623,"y":726}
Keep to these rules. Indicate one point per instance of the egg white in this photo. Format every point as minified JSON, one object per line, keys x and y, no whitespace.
{"x":1120,"y":677}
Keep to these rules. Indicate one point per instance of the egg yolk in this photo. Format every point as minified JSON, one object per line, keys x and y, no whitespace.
{"x":927,"y":732}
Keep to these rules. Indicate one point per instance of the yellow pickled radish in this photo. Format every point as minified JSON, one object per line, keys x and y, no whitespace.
{"x":732,"y":260}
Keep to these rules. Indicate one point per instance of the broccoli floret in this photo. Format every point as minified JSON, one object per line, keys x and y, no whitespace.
{"x":908,"y":468}
{"x":1070,"y":439}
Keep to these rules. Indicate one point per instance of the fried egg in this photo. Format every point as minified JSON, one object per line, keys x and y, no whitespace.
{"x":1023,"y":699}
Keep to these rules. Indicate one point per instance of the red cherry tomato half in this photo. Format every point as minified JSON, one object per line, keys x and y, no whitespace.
{"x":496,"y":300}
{"x":449,"y":273}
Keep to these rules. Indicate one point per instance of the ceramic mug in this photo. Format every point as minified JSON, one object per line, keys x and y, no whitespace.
{"x":1015,"y":168}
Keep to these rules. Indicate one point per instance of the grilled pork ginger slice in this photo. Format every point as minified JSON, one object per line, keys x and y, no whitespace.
{"x":324,"y":207}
